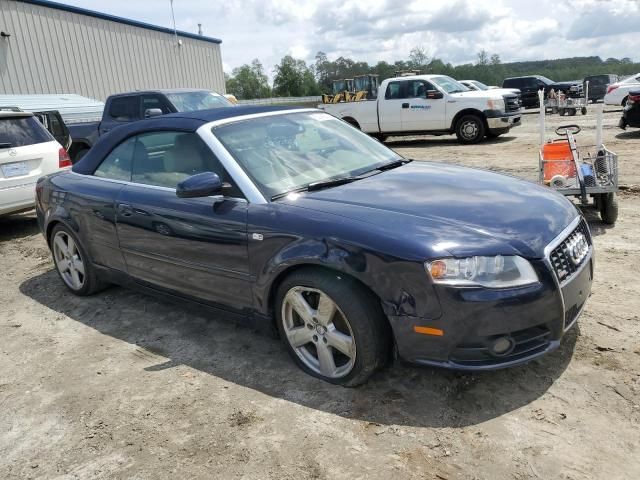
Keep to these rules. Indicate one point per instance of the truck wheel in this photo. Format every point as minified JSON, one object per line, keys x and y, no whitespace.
{"x":608,"y":208}
{"x":561,"y":112}
{"x":470,"y":129}
{"x":584,"y":110}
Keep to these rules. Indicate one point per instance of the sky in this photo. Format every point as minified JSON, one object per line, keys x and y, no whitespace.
{"x":452,"y":30}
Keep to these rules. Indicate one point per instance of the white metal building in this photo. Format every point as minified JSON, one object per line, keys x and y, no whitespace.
{"x":49,"y":47}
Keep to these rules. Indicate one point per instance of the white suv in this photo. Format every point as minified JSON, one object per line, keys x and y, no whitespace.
{"x":27,"y":152}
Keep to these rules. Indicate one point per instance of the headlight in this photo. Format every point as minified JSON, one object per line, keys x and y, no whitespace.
{"x":496,"y":104}
{"x":493,"y":272}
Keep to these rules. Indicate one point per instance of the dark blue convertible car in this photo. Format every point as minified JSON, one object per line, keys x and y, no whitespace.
{"x":356,"y":254}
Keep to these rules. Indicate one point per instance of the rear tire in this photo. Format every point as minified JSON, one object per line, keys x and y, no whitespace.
{"x":608,"y":205}
{"x":470,"y":129}
{"x":317,"y":311}
{"x":73,"y":264}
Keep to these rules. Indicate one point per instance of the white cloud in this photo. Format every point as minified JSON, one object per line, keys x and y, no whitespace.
{"x":387,"y":29}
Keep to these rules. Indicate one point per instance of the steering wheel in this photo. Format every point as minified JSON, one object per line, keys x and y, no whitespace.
{"x":563,"y":129}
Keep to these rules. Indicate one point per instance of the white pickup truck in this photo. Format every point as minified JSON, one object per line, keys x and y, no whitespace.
{"x":434,"y":105}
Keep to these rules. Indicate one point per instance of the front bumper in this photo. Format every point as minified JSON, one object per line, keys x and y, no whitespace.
{"x":534,"y":319}
{"x":500,"y":121}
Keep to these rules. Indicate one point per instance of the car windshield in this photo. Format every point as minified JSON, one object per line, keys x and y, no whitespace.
{"x":286,"y":152}
{"x":480,"y":85}
{"x":449,"y":85}
{"x":198,"y":100}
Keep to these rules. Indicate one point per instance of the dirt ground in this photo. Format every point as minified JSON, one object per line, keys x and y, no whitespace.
{"x":122,"y":385}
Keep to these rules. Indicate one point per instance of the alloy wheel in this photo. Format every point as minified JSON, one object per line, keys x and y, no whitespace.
{"x":68,"y":260}
{"x":319,"y":332}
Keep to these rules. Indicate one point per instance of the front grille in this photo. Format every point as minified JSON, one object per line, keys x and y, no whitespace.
{"x":571,"y":314}
{"x":567,"y":257}
{"x":528,"y":342}
{"x":512,"y":103}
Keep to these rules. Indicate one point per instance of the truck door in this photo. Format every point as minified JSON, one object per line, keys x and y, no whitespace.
{"x":390,"y":107}
{"x":424,"y":113}
{"x":123,"y":109}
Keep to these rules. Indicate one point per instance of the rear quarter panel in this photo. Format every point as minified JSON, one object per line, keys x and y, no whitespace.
{"x":364,"y":112}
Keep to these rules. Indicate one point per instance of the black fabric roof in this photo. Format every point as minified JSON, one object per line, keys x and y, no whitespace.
{"x":181,"y":121}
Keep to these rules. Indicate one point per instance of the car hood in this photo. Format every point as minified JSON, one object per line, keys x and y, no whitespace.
{"x":446,"y":209}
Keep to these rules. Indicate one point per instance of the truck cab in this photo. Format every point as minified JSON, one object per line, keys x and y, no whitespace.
{"x":130,"y":107}
{"x":432,"y":104}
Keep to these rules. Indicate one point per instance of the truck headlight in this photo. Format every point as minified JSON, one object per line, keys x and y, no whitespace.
{"x":492,"y":272}
{"x":496,"y":104}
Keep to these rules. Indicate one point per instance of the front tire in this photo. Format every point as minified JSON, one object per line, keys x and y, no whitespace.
{"x":470,"y":129}
{"x":73,"y":264}
{"x":332,"y":327}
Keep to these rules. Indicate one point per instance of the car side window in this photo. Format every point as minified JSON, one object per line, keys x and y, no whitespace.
{"x":117,"y":165}
{"x":418,"y":88}
{"x":125,"y":109}
{"x":154,"y":101}
{"x":394,"y":91}
{"x":166,"y":158}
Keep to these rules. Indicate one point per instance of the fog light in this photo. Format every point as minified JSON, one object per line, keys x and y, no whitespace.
{"x":502,"y":346}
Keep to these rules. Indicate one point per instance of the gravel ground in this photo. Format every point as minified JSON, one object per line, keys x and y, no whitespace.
{"x":122,"y":385}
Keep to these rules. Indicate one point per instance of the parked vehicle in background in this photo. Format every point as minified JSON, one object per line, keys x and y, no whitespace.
{"x":290,"y":218}
{"x":571,"y":88}
{"x":631,"y":111}
{"x":433,"y":105}
{"x":27,"y":151}
{"x":52,"y":121}
{"x":598,"y":85}
{"x":129,"y":107}
{"x":477,"y":85}
{"x":529,"y":87}
{"x":617,"y":93}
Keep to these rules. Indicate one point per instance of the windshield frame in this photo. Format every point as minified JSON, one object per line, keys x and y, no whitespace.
{"x":218,"y":145}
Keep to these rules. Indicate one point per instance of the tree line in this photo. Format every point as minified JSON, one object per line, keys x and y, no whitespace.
{"x":294,"y":78}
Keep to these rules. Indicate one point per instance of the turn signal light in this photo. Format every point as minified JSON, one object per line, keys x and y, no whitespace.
{"x":429,"y":331}
{"x":63,"y":158}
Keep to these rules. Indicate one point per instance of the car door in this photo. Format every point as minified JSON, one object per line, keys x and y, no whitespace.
{"x":52,"y":120}
{"x":196,"y":246}
{"x":423,"y":113}
{"x":390,"y":107}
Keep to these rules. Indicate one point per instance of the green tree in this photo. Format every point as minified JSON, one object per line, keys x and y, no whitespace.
{"x":294,"y":79}
{"x":418,"y":58}
{"x":248,"y":82}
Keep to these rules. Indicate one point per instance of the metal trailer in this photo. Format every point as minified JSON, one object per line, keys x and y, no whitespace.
{"x":566,"y":105}
{"x":587,"y":172}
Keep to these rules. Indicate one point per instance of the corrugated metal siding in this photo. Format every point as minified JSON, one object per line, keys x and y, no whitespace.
{"x":73,"y":108}
{"x":54,"y":51}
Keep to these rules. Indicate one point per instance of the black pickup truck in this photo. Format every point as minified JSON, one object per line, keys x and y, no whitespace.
{"x":129,"y":107}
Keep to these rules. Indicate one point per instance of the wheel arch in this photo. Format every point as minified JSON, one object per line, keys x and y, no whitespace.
{"x":468,"y":111}
{"x":352,"y":121}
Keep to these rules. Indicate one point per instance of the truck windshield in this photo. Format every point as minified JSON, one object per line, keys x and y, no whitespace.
{"x":198,"y":100}
{"x":449,"y":85}
{"x":480,"y":85}
{"x":288,"y":152}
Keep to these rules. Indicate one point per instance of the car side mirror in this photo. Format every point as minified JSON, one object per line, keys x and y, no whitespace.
{"x":152,"y":112}
{"x":434,"y":94}
{"x":200,"y":185}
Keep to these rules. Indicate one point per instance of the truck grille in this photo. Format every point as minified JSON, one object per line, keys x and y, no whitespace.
{"x":567,"y":257}
{"x":512,"y":103}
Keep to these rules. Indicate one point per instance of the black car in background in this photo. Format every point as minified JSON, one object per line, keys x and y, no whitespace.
{"x":598,"y":85}
{"x":529,"y":87}
{"x":571,"y":88}
{"x":631,"y":112}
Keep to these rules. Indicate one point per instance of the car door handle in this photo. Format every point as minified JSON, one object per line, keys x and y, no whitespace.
{"x":125,"y":209}
{"x":405,"y":105}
